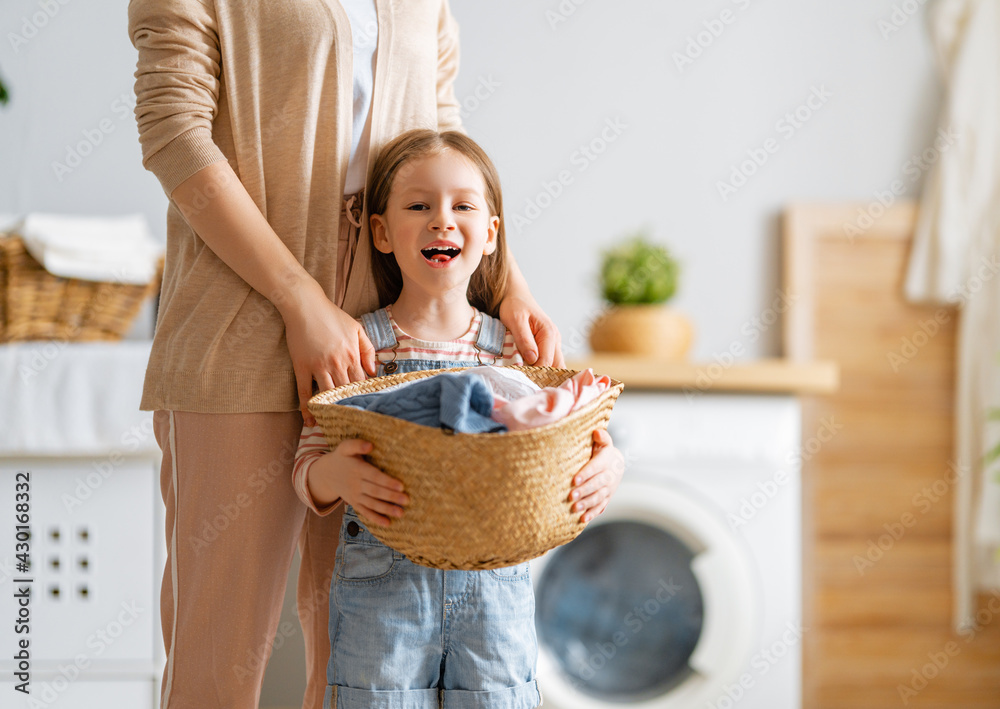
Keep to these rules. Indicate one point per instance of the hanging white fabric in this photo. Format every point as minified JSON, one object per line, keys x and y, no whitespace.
{"x":956,"y":259}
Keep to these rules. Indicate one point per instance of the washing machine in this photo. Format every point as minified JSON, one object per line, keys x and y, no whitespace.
{"x":686,"y":592}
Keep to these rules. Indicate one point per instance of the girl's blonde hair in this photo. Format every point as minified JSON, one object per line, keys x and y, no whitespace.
{"x":489,"y":282}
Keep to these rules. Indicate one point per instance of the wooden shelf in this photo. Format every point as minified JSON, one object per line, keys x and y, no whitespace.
{"x":761,"y":376}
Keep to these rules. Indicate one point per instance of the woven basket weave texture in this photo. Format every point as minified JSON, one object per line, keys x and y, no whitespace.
{"x":36,"y":305}
{"x":477,"y":501}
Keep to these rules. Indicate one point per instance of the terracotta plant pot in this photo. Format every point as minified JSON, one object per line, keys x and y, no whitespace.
{"x":647,"y":330}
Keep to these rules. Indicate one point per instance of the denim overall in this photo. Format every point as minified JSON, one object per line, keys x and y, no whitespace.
{"x":405,"y":636}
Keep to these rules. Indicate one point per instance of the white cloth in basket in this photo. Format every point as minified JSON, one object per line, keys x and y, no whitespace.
{"x":115,"y":249}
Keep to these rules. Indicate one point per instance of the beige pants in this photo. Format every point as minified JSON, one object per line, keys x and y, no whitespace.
{"x":232,"y":524}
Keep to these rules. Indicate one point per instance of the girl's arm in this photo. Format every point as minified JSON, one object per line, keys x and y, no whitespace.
{"x":598,"y":479}
{"x":322,"y":478}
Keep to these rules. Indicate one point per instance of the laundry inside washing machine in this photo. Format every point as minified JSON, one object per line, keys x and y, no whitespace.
{"x":621,"y":611}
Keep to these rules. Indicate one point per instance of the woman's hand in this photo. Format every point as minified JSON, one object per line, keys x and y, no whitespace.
{"x":326,"y":345}
{"x":344,"y":474}
{"x":597,"y":481}
{"x":535,"y":334}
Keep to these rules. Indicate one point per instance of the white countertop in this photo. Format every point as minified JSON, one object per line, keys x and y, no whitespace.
{"x":74,"y":399}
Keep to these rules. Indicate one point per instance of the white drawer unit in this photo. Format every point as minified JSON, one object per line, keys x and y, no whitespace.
{"x":73,"y":440}
{"x":92,"y":561}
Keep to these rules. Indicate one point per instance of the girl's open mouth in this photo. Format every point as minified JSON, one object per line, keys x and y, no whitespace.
{"x":440,"y":254}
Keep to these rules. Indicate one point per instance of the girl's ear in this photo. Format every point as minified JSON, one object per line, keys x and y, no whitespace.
{"x":491,"y":236}
{"x":379,"y":236}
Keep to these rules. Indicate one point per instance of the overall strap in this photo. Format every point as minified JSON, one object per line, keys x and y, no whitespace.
{"x":491,"y":335}
{"x":379,"y":329}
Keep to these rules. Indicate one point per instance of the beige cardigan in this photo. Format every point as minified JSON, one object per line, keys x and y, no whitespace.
{"x":268,"y":86}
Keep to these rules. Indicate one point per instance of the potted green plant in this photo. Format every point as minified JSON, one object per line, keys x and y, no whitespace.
{"x":638,"y":278}
{"x":4,"y":96}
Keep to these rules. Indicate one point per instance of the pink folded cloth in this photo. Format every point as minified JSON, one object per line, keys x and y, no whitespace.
{"x":551,"y":403}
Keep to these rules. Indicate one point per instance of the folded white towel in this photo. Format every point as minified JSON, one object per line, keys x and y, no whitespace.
{"x":116,"y":249}
{"x":507,"y":384}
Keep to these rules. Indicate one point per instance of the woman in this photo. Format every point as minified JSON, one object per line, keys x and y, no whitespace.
{"x":257,"y":118}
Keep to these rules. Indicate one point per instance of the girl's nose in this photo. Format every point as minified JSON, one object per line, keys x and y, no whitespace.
{"x":442,"y":220}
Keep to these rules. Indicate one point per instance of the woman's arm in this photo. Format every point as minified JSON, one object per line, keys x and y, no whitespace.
{"x":325,"y":343}
{"x":536,"y":335}
{"x":177,"y":83}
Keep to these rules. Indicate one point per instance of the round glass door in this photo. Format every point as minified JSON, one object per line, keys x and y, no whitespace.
{"x":621,"y":611}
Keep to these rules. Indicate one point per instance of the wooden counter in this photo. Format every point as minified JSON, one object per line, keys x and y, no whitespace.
{"x":761,"y":376}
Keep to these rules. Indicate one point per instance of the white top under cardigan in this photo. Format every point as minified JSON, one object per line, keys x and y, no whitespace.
{"x":364,"y":36}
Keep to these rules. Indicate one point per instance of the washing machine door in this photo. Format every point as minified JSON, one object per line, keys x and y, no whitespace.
{"x":654,"y":605}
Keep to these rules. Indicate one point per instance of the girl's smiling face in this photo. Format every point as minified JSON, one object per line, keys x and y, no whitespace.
{"x":437,"y":223}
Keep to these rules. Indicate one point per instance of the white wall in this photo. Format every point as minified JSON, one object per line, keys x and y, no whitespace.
{"x":561,"y":76}
{"x":70,"y":75}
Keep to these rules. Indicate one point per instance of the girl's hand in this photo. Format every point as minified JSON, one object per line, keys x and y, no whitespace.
{"x":535,"y":335}
{"x":345,"y":474}
{"x":327,"y":345}
{"x":598,"y":479}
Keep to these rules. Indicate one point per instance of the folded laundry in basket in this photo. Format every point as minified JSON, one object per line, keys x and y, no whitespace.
{"x":552,"y":403}
{"x":449,"y":401}
{"x":506,"y":384}
{"x":115,"y":249}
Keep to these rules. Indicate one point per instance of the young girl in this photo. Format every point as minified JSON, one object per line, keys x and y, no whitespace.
{"x":404,"y":636}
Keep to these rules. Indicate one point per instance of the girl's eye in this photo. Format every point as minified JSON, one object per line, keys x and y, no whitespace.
{"x":464,"y":207}
{"x":417,"y":207}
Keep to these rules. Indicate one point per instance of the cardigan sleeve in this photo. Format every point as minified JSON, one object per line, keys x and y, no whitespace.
{"x":177,"y":82}
{"x":449,"y":117}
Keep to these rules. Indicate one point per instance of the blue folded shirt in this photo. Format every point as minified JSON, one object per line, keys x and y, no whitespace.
{"x":461,"y":404}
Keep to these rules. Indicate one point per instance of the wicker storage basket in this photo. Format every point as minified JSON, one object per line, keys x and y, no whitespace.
{"x":477,"y":501}
{"x":35,"y":305}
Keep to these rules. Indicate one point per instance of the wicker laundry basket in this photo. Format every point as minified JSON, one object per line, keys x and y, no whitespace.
{"x":477,"y":501}
{"x":36,"y":305}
